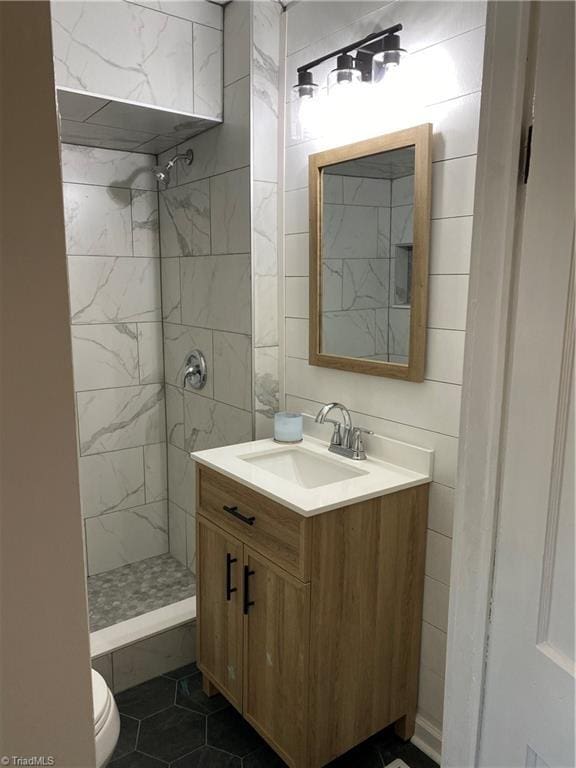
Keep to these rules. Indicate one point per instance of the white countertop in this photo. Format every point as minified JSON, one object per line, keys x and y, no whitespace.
{"x":381,"y":476}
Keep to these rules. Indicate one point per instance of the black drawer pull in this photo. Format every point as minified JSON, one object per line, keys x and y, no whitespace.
{"x":229,"y":587}
{"x":239,"y":515}
{"x":247,"y":601}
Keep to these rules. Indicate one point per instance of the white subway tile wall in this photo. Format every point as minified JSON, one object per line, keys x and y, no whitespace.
{"x":446,"y":39}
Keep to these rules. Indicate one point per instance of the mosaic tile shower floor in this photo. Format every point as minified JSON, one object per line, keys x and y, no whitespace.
{"x":134,"y":589}
{"x":168,"y":722}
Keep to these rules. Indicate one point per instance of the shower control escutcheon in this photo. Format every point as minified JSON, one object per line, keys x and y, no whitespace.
{"x":196,"y":371}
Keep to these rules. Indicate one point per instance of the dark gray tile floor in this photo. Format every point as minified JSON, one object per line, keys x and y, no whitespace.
{"x":168,"y":722}
{"x":137,"y":588}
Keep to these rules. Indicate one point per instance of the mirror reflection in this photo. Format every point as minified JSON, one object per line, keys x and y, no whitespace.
{"x":366,"y":253}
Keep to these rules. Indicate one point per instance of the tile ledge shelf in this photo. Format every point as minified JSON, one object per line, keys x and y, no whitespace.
{"x":131,"y":631}
{"x":97,"y":120}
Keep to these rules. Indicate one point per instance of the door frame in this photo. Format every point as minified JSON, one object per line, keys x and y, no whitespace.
{"x":505,"y":115}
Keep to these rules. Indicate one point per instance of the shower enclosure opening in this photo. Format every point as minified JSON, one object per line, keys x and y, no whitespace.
{"x":128,"y":221}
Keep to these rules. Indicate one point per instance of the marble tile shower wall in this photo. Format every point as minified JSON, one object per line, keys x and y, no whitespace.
{"x":265,"y":63}
{"x":446,"y":38}
{"x":356,"y":266}
{"x":163,"y":53}
{"x":219,"y":266}
{"x":365,"y":221}
{"x":111,"y":217}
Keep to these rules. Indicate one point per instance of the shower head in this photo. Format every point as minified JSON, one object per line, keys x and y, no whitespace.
{"x":162,"y":172}
{"x":162,"y":175}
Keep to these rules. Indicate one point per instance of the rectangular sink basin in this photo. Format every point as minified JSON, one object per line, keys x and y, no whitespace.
{"x":303,"y":468}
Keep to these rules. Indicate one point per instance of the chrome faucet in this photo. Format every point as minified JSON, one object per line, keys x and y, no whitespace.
{"x":346,"y":438}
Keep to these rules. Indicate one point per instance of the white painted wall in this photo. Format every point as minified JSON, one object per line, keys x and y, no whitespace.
{"x":447,"y":39}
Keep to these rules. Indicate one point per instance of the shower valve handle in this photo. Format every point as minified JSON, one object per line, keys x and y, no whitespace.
{"x":196,"y":371}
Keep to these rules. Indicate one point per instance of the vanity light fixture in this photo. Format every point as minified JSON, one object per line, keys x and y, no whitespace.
{"x":365,"y":61}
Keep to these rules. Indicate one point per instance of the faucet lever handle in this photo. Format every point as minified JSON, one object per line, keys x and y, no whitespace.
{"x":361,"y":430}
{"x":357,"y":444}
{"x":337,"y":434}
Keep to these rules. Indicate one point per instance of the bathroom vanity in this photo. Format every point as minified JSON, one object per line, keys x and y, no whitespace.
{"x":310,"y":577}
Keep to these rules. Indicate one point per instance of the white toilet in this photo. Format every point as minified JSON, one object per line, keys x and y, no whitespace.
{"x":106,"y":720}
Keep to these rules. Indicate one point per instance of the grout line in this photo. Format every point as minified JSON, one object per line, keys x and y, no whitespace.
{"x":125,"y":509}
{"x":428,"y":327}
{"x":122,"y":386}
{"x":381,"y":418}
{"x":112,"y":186}
{"x":207,"y":178}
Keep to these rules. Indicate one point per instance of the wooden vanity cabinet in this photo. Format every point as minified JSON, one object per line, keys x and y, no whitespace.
{"x":311,"y":626}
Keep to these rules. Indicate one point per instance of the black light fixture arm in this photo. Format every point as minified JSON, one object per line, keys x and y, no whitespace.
{"x":366,"y":44}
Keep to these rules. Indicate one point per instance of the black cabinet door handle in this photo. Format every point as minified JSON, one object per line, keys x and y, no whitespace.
{"x":229,"y":587}
{"x":234,"y":511}
{"x":247,"y":601}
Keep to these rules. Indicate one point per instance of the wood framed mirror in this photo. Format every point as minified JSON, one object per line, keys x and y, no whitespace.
{"x":369,"y":242}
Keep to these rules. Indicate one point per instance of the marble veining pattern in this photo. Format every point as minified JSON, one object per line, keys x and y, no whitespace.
{"x":111,"y":481}
{"x":265,"y":228}
{"x":114,"y":290}
{"x":402,"y":224}
{"x":366,"y":220}
{"x":208,"y":424}
{"x":351,"y":332}
{"x":216,"y":292}
{"x":230,"y":212}
{"x":226,"y":147}
{"x":265,"y":89}
{"x":207,"y":71}
{"x":265,"y":56}
{"x":365,"y":283}
{"x":175,"y":416}
{"x":171,"y":290}
{"x":117,"y":351}
{"x":209,"y":14}
{"x":150,"y":353}
{"x":107,"y":168}
{"x":265,"y":310}
{"x":181,"y":478}
{"x":126,"y":536}
{"x":98,"y":220}
{"x":266,"y":385}
{"x":185,"y":220}
{"x":105,"y":355}
{"x":208,"y":278}
{"x":134,"y":589}
{"x":110,"y":419}
{"x":145,"y":241}
{"x":350,"y":232}
{"x":148,"y":59}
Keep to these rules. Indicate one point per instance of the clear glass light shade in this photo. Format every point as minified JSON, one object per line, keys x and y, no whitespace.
{"x":305,"y":112}
{"x":343,"y":80}
{"x":386,"y":64}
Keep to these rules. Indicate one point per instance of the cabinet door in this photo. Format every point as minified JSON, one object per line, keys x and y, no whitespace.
{"x":276,"y":633}
{"x":220,"y":620}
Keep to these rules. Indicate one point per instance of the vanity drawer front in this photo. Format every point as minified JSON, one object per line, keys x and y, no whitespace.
{"x":271,"y":529}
